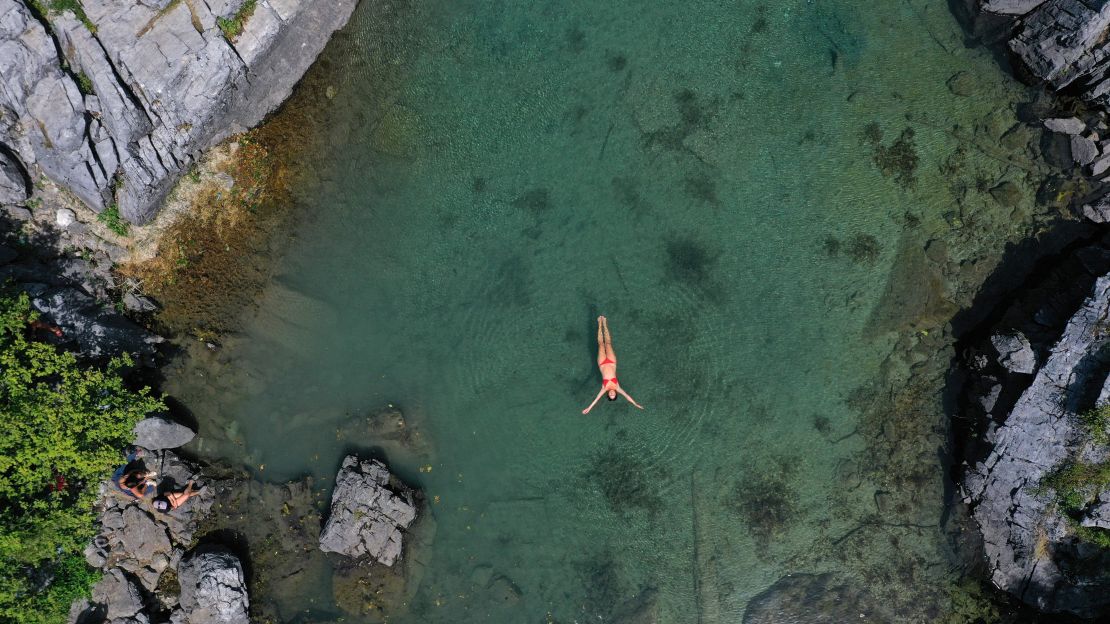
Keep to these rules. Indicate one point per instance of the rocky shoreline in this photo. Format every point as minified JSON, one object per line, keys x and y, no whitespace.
{"x":1034,"y":366}
{"x":116,"y":103}
{"x":182,"y":566}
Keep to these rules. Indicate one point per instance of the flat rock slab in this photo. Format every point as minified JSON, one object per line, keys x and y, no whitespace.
{"x":369,"y":512}
{"x":157,"y":433}
{"x":1065,"y":125}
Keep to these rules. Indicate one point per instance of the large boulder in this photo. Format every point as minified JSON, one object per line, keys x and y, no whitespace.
{"x":157,"y":433}
{"x":213,"y":589}
{"x":1030,"y":547}
{"x":117,"y":597}
{"x":370,"y":509}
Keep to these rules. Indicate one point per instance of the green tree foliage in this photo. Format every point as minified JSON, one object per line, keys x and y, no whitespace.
{"x":62,"y":428}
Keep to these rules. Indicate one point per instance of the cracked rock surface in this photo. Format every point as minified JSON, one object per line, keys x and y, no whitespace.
{"x":370,"y":509}
{"x":1031,"y":550}
{"x":213,"y":589}
{"x":162,"y":84}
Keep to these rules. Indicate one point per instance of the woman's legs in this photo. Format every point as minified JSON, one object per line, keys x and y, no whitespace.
{"x":609,"y":353}
{"x":601,"y":354}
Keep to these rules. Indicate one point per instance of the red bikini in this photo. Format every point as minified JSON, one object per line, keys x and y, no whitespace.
{"x":604,"y":381}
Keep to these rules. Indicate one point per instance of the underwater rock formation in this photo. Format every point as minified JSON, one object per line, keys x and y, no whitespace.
{"x":115,"y":104}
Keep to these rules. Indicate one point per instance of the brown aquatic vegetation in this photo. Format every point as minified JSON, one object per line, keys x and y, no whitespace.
{"x":215,"y":255}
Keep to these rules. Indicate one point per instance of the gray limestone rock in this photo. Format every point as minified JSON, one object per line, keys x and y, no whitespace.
{"x":1061,"y":41}
{"x":1015,"y":354}
{"x":1100,"y":165}
{"x":1017,"y":523}
{"x":138,"y":303}
{"x":213,"y":589}
{"x":1099,"y":210}
{"x":156,"y":433}
{"x":17,"y":213}
{"x":1065,"y":125}
{"x":166,"y":85}
{"x":118,"y":595}
{"x":146,"y":541}
{"x":369,"y":512}
{"x":1083,"y":150}
{"x":1010,"y":7}
{"x":14,"y":185}
{"x":98,"y":332}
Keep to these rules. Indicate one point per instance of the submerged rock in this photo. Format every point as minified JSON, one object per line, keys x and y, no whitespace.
{"x":811,"y":599}
{"x":370,"y":509}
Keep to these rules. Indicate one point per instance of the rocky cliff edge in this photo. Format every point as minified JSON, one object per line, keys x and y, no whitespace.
{"x":116,"y":103}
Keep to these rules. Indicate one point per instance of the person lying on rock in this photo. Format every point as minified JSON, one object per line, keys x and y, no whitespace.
{"x":172,"y":500}
{"x":50,"y":327}
{"x":607,"y":362}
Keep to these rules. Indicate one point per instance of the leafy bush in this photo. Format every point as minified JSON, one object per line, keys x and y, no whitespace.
{"x":62,"y":428}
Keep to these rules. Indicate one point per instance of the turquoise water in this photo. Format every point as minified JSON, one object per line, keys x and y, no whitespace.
{"x":497,"y":174}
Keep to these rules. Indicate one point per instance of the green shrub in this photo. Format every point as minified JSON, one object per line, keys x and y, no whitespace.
{"x":1075,"y":484}
{"x":110,"y":217}
{"x":233,"y":26}
{"x":62,"y":428}
{"x":45,"y":8}
{"x":84,"y":83}
{"x":1097,"y":423}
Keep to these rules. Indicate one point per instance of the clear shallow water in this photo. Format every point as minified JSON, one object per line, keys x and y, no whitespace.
{"x":497,"y":175}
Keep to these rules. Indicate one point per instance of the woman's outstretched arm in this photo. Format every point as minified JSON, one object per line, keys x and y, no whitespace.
{"x":596,"y":399}
{"x":630,"y":399}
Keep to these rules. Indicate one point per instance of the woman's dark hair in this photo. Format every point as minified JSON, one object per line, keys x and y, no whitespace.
{"x":611,"y":398}
{"x":133,"y":478}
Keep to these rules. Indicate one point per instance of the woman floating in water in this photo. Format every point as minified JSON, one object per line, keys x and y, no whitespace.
{"x":607,"y":362}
